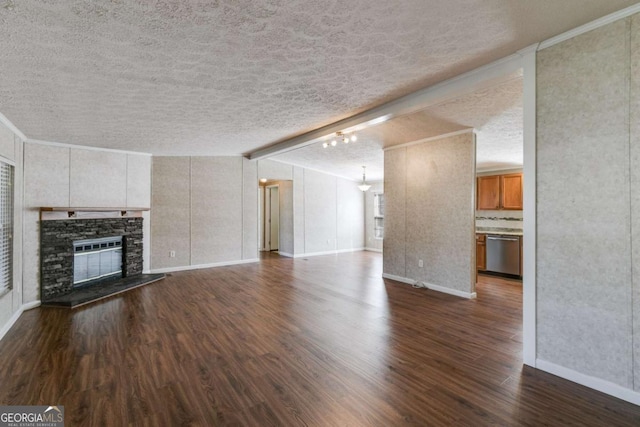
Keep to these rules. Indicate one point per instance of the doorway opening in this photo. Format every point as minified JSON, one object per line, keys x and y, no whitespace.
{"x":270,"y":224}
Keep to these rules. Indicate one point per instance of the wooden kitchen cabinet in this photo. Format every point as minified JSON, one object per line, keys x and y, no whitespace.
{"x":496,"y":192}
{"x":489,"y":192}
{"x":511,"y":191}
{"x":481,"y":252}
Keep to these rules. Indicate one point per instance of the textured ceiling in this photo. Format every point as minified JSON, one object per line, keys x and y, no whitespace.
{"x":227,"y":77}
{"x":495,"y":114}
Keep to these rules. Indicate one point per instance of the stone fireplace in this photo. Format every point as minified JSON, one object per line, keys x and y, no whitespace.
{"x":77,"y":252}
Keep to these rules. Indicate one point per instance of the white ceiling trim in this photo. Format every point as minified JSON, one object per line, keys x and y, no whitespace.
{"x":5,"y":121}
{"x":601,"y":22}
{"x":324,"y":172}
{"x":431,"y":138}
{"x":84,"y":147}
{"x":188,"y":155}
{"x":478,"y":79}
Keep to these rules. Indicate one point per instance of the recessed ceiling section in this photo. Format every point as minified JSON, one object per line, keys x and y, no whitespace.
{"x":174,"y":77}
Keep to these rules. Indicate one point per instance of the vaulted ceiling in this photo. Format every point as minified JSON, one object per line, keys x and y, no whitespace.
{"x":174,"y":77}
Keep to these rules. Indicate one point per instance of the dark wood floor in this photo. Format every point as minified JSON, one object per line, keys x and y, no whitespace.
{"x":317,"y":342}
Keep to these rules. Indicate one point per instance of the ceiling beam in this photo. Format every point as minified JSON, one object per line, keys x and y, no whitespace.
{"x":481,"y":78}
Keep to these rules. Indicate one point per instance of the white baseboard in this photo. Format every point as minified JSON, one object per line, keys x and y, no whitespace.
{"x":30,"y":305}
{"x":604,"y":386}
{"x":373,"y":250}
{"x":455,"y":292}
{"x":430,"y":286}
{"x":14,"y":318}
{"x":287,"y":254}
{"x":201,"y":266}
{"x":334,"y":252}
{"x":398,"y":279}
{"x":10,"y":323}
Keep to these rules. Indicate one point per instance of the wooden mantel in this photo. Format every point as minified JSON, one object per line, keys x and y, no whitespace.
{"x":85,"y":212}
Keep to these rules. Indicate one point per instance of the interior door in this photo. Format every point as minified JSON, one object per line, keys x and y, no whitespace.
{"x":274,"y":218}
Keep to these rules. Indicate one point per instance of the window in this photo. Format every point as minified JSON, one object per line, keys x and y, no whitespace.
{"x":378,"y":215}
{"x":6,"y":227}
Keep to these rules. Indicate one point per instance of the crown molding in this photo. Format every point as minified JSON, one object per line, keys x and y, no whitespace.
{"x":199,"y":155}
{"x":431,"y":138}
{"x":5,"y":121}
{"x":601,"y":22}
{"x":84,"y":147}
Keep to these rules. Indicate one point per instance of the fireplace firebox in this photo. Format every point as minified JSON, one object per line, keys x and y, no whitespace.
{"x":96,"y":259}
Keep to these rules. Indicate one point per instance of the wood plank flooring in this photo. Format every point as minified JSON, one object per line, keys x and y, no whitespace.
{"x":322,"y":341}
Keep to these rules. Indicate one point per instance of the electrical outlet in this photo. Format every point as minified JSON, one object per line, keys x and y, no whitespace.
{"x":172,"y":254}
{"x":420,"y":263}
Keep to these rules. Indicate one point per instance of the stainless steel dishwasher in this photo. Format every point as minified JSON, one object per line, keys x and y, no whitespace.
{"x":503,"y":254}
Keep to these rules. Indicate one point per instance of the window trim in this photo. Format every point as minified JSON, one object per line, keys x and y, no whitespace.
{"x":7,"y":287}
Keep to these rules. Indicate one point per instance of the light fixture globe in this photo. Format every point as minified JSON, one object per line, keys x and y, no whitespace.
{"x":364,"y":186}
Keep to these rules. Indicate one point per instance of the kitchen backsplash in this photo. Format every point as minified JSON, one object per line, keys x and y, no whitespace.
{"x":499,"y":219}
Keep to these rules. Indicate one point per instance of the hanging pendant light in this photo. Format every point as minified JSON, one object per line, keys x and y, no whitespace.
{"x":364,"y":186}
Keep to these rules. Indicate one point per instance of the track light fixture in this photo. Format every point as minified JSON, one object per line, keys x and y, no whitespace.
{"x":339,"y":136}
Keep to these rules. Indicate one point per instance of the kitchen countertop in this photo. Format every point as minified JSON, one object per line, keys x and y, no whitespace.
{"x":498,"y":230}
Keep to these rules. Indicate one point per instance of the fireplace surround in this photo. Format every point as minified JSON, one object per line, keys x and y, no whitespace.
{"x":57,"y":249}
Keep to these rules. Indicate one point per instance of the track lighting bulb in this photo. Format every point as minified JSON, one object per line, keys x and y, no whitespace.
{"x":339,"y":136}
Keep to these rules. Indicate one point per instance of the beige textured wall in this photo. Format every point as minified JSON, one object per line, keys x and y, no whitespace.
{"x":349,"y":215}
{"x":7,"y":143}
{"x":634,"y":161}
{"x":216,"y":209}
{"x":395,"y":185}
{"x":298,"y":211}
{"x":205,"y":209}
{"x":430,"y":212}
{"x":46,"y":176}
{"x":319,"y":212}
{"x":11,"y":150}
{"x":273,"y":170}
{"x":249,"y":209}
{"x":63,"y":176}
{"x":285,"y":194}
{"x":584,"y":210}
{"x":171,"y":212}
{"x":103,"y":184}
{"x":323,"y":213}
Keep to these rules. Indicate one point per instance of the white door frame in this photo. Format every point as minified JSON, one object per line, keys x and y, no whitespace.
{"x":268,"y":221}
